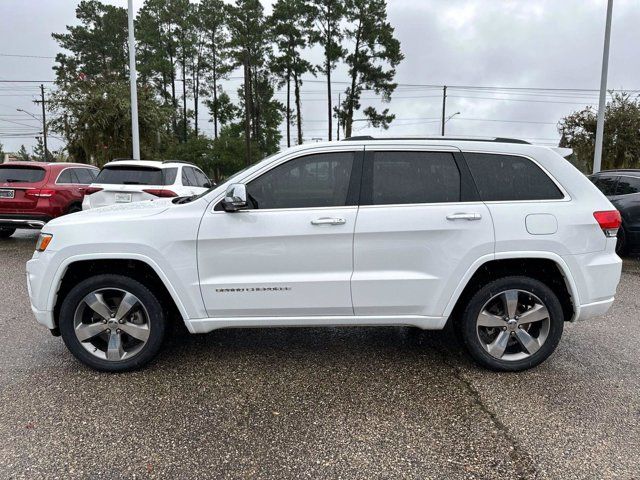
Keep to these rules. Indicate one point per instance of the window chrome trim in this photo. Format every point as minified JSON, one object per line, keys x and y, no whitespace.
{"x":566,"y":196}
{"x":72,"y":168}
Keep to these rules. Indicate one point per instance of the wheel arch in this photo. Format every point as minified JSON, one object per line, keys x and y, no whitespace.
{"x":141,"y":268}
{"x":547,"y":267}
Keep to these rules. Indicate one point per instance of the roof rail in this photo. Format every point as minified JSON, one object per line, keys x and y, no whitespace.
{"x":493,"y":139}
{"x":179,"y":161}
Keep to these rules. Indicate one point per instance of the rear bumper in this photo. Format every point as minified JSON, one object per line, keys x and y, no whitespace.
{"x":13,"y":220}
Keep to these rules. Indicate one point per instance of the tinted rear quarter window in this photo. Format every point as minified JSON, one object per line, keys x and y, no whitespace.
{"x":414,"y":177}
{"x":510,"y":178}
{"x":130,"y":175}
{"x":21,"y":174}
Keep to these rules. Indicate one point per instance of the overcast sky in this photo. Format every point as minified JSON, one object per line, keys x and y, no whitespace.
{"x":472,"y":43}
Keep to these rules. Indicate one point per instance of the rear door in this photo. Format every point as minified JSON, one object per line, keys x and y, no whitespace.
{"x":420,"y":227}
{"x":18,"y":186}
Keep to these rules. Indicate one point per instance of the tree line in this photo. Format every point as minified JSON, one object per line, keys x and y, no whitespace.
{"x":187,"y":51}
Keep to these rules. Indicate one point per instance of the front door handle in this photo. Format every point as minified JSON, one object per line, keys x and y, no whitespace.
{"x":464,"y":216}
{"x":328,"y":221}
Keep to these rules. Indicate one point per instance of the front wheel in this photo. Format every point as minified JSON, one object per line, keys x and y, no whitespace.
{"x":512,"y":324}
{"x":6,"y":232}
{"x":112,"y":323}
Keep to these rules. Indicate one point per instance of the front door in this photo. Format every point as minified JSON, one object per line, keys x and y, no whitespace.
{"x":290,"y":253}
{"x":420,"y":228}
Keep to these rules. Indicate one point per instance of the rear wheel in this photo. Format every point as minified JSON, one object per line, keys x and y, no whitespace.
{"x":6,"y":232}
{"x":112,"y":323}
{"x":512,"y":324}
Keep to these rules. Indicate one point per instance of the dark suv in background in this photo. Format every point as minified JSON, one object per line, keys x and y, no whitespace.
{"x":622,"y":188}
{"x":32,"y":193}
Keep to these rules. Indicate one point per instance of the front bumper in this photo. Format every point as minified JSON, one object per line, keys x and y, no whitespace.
{"x":38,"y":288}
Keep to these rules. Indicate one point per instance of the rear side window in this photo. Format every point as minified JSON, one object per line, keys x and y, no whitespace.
{"x":414,"y":177}
{"x":628,"y":185}
{"x":67,"y":176}
{"x":131,"y":175}
{"x":510,"y":178}
{"x":189,"y":177}
{"x":21,"y":174}
{"x":606,"y":185}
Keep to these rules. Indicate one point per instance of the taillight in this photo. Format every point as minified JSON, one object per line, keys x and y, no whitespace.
{"x":609,"y":221}
{"x":42,"y":193}
{"x":160,"y":192}
{"x":90,"y":190}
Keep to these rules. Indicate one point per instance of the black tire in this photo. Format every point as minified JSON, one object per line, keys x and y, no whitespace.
{"x":621,"y":244}
{"x":156,"y":318}
{"x":6,"y":232}
{"x":74,"y":208}
{"x":468,"y":328}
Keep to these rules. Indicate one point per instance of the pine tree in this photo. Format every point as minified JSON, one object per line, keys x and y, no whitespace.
{"x":213,"y":15}
{"x":23,"y":154}
{"x":248,"y":49}
{"x":372,"y":61}
{"x":291,"y":26}
{"x":328,"y":15}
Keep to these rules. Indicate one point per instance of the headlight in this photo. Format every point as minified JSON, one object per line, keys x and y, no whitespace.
{"x":43,"y":241}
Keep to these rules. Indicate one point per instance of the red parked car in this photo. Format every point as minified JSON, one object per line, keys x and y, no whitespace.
{"x":32,"y":193}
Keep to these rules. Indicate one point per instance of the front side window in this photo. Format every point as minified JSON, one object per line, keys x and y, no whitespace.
{"x":628,"y":185}
{"x":188,"y":177}
{"x":320,"y":180}
{"x":510,"y":178}
{"x":414,"y":177}
{"x":85,"y":175}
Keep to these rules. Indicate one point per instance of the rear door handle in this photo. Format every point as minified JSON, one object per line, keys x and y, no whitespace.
{"x":328,"y":221}
{"x":464,"y":216}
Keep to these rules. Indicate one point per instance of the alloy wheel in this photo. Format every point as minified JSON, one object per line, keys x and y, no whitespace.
{"x":513,"y":325}
{"x":111,"y":324}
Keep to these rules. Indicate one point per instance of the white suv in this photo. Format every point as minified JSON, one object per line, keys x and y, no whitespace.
{"x":126,"y":181}
{"x":504,"y":239}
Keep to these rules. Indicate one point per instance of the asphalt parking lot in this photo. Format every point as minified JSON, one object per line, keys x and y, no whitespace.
{"x":318,"y":403}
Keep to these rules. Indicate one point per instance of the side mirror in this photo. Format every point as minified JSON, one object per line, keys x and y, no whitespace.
{"x":235,"y":197}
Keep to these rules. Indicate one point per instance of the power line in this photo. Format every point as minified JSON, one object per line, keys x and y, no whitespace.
{"x":22,"y":56}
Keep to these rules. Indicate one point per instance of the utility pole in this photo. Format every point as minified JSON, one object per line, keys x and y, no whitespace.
{"x":247,"y":115}
{"x":133,"y":81}
{"x":338,"y":122}
{"x":44,"y":124}
{"x":602,"y":105}
{"x":444,"y":106}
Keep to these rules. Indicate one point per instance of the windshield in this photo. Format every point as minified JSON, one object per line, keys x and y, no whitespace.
{"x":134,"y":175}
{"x":21,"y":174}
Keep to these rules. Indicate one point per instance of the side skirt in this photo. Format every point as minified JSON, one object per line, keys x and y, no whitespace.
{"x":204,"y":325}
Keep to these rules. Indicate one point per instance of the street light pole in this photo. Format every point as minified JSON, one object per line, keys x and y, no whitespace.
{"x":602,"y":105}
{"x":133,"y":77}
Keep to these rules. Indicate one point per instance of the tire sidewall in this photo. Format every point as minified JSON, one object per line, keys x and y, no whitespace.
{"x":157,"y":322}
{"x":469,"y":318}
